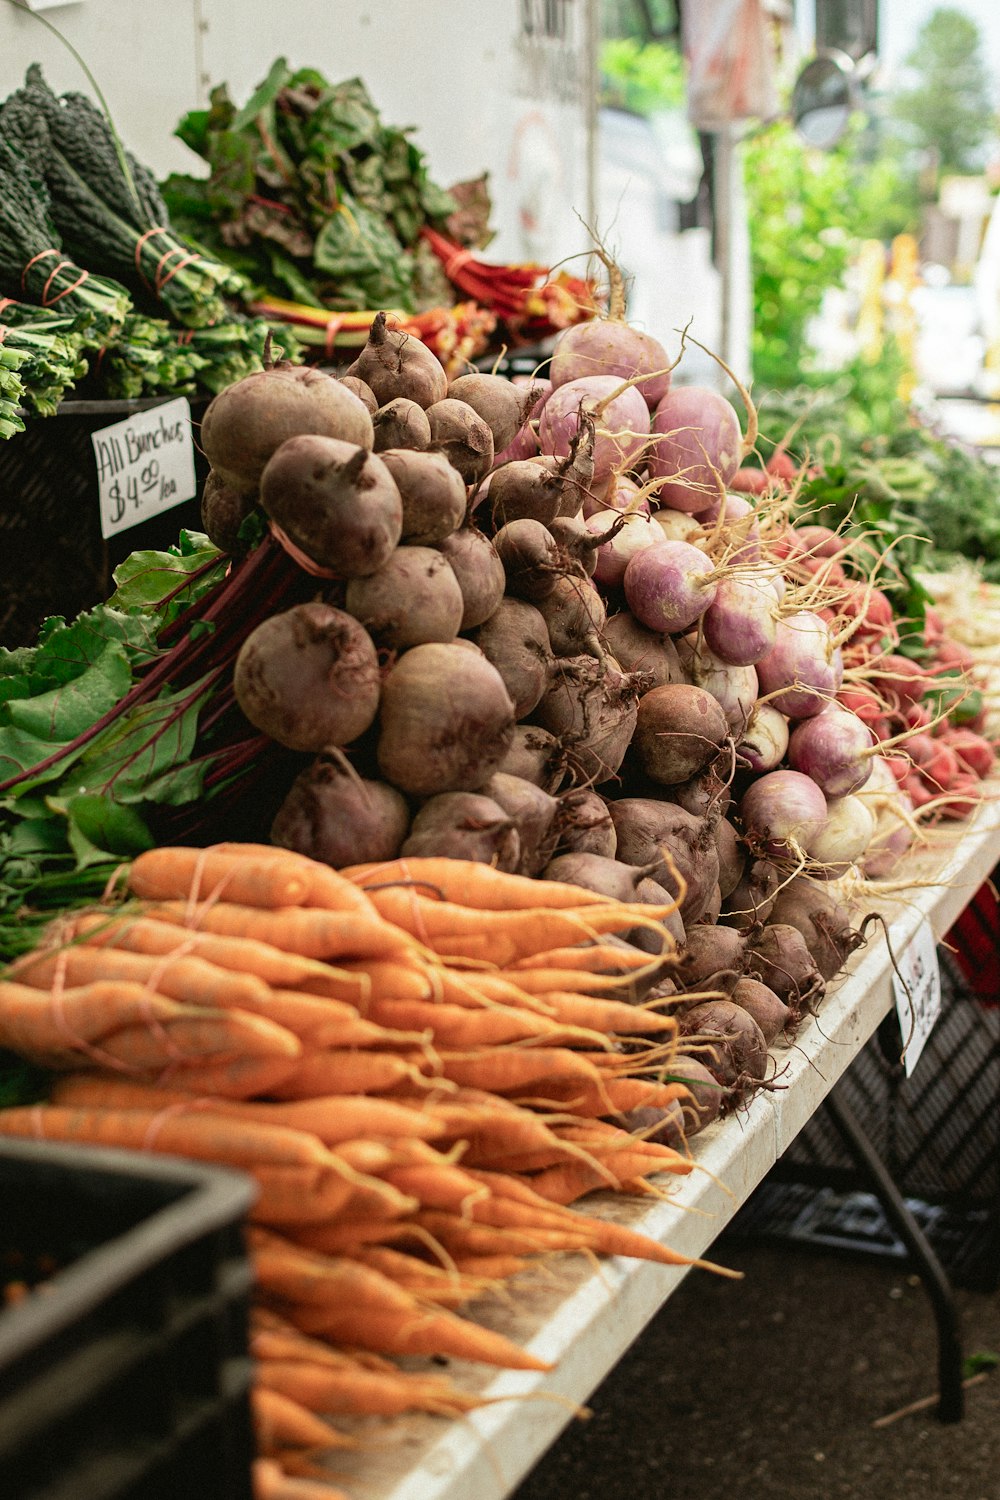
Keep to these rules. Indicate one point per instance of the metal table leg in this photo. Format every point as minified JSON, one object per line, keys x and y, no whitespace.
{"x":951,"y":1398}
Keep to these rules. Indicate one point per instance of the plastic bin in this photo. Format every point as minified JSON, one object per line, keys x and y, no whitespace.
{"x":124,"y":1375}
{"x":53,"y":559}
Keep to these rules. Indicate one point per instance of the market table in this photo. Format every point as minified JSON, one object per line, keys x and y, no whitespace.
{"x":581,"y":1316}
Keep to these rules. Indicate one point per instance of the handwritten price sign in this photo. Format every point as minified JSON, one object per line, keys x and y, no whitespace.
{"x":145,"y":465}
{"x":917,"y":991}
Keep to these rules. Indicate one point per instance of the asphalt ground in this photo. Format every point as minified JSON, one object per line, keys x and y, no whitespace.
{"x":769,"y":1387}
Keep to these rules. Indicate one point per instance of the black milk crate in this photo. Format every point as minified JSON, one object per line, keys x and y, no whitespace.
{"x":53,"y":559}
{"x":124,"y":1375}
{"x":938,"y":1133}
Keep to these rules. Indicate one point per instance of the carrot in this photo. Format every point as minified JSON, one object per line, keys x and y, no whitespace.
{"x":614,"y":1096}
{"x":347,"y":1072}
{"x":291,"y":1198}
{"x":472,"y":884}
{"x":229,"y":1078}
{"x":325,"y":886}
{"x":569,"y":1180}
{"x":463,"y":1027}
{"x":171,"y":872}
{"x":491,"y":1267}
{"x":428,"y":1281}
{"x":511,"y":1070}
{"x":193,"y":1034}
{"x":425,"y":1331}
{"x":282,"y":1423}
{"x":606,"y":1016}
{"x":295,"y":1274}
{"x":464,"y":1236}
{"x":270,"y":1482}
{"x":356,"y":1392}
{"x":144,"y":934}
{"x":598,"y":960}
{"x":309,"y":931}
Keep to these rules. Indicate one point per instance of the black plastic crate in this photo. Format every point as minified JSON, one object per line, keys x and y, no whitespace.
{"x":938,"y":1133}
{"x":124,"y":1375}
{"x":53,"y":558}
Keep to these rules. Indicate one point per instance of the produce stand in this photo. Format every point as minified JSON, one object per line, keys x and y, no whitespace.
{"x":584,"y":1318}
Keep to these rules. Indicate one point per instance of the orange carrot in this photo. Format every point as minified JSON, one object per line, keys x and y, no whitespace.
{"x":193,"y":1034}
{"x":170,"y":872}
{"x":312,"y":932}
{"x":270,"y":1482}
{"x":347,"y":1072}
{"x":463,"y":1027}
{"x":282,"y":1423}
{"x":426,"y":1331}
{"x":357,"y":1392}
{"x":608,"y":1017}
{"x":295,"y":1274}
{"x":472,"y":884}
{"x":326,"y":887}
{"x":229,"y":1078}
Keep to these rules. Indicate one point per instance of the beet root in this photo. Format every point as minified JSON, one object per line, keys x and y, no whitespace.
{"x":537,"y":756}
{"x":432,"y":495}
{"x":679,"y":731}
{"x":684,"y":847}
{"x":394,"y":364}
{"x":464,"y":825}
{"x":401,"y":424}
{"x":822,"y":921}
{"x":337,"y":502}
{"x":333,"y":815}
{"x":705,"y":1097}
{"x":771,"y":1013}
{"x":533,"y":813}
{"x":728,"y":1040}
{"x":585,"y":825}
{"x":474,"y":562}
{"x":413,"y":598}
{"x":779,"y":958}
{"x":591,"y":707}
{"x":750,"y":901}
{"x":713,"y":958}
{"x":515,"y":639}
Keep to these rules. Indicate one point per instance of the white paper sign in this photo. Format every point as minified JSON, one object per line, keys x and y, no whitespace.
{"x":917,"y":990}
{"x":145,"y":465}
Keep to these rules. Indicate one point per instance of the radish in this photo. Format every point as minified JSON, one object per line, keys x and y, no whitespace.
{"x":669,"y":586}
{"x":782,"y":812}
{"x":697,"y":446}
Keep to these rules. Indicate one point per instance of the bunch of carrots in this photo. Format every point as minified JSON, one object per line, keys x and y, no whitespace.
{"x":416,"y":1062}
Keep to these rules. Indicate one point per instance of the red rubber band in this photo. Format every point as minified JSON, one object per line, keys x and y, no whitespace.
{"x":305,"y":562}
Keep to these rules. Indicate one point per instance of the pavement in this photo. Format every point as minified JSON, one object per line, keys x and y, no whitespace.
{"x":768,"y":1387}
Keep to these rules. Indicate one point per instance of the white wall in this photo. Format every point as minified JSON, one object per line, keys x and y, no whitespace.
{"x":482,"y":82}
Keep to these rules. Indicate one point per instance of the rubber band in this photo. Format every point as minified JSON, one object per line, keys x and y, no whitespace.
{"x":455,"y":262}
{"x":333,"y":327}
{"x":40,"y":256}
{"x":160,"y":229}
{"x":305,"y":562}
{"x":78,"y":1043}
{"x":48,"y":301}
{"x":156,"y":1124}
{"x":160,"y":280}
{"x":37,"y":1121}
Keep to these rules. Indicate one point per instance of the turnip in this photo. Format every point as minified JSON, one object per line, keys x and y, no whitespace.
{"x":740,"y":624}
{"x":697,"y":446}
{"x":445,"y":721}
{"x":834,"y":748}
{"x":224,"y":508}
{"x":619,"y":492}
{"x":727,"y":1040}
{"x":401,"y":424}
{"x":396,"y":364}
{"x":610,"y":346}
{"x":640,"y":650}
{"x":821,"y":919}
{"x":463,"y":437}
{"x":731,"y":528}
{"x":771,"y":1013}
{"x":733,"y":688}
{"x":585,"y":825}
{"x":464,"y":825}
{"x":669,"y":586}
{"x":338,"y":503}
{"x":620,"y":415}
{"x":649,"y":830}
{"x":762,"y":745}
{"x":503,"y":406}
{"x":677,"y":526}
{"x":414,"y":597}
{"x":533,"y":812}
{"x":804,"y":669}
{"x":591,"y":707}
{"x":308,"y":677}
{"x":515,"y":639}
{"x":337,"y":817}
{"x":679,"y":730}
{"x":432,"y":494}
{"x":574,"y":613}
{"x":537,"y":756}
{"x":844,"y":838}
{"x":781,"y":813}
{"x":479,"y":571}
{"x":633,"y":534}
{"x":248,"y":421}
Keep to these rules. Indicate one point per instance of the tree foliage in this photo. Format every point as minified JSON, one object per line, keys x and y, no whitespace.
{"x":949,"y":107}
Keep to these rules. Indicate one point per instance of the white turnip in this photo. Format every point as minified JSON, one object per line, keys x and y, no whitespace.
{"x":697,"y":446}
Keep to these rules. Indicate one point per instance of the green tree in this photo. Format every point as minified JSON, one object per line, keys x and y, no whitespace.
{"x":949,"y":107}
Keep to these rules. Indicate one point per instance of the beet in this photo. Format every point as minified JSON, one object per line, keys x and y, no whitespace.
{"x":713,"y":958}
{"x":397,"y":364}
{"x":704,"y":794}
{"x":664,"y":1126}
{"x":533,"y":812}
{"x":750,"y":901}
{"x":248,"y":421}
{"x":706,"y":1096}
{"x":821,"y":919}
{"x":585,"y":825}
{"x":650,"y":892}
{"x":594,"y":872}
{"x":445,"y":722}
{"x":780,"y":959}
{"x":474,"y":562}
{"x":640,"y":650}
{"x":515,"y":639}
{"x":732,"y":857}
{"x":432,"y":495}
{"x":463,"y":437}
{"x":524,"y":490}
{"x":337,"y":817}
{"x":337,"y":502}
{"x":224,"y":508}
{"x":362,"y":390}
{"x":728,"y":1040}
{"x":679,"y":730}
{"x":591,"y":708}
{"x":308,"y":677}
{"x":771,"y":1014}
{"x":530,"y":556}
{"x":401,"y":424}
{"x":537,"y":756}
{"x":414,"y":597}
{"x":464,"y":825}
{"x":575,"y":614}
{"x":649,"y":829}
{"x":503,"y":406}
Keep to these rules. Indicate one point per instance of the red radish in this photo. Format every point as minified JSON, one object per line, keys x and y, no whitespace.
{"x":974,"y":752}
{"x":821,"y":541}
{"x":747,"y":481}
{"x":871,"y":607}
{"x":834,"y":748}
{"x":933,"y":625}
{"x":953,"y":654}
{"x":782,"y":812}
{"x":935,"y":760}
{"x":916,"y":716}
{"x":781,"y":466}
{"x":964,"y":796}
{"x":698,"y":446}
{"x":902,"y":679}
{"x":804,"y":669}
{"x":621,"y":421}
{"x":669,"y":586}
{"x":864,"y":704}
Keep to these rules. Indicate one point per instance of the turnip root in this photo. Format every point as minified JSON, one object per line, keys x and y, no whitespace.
{"x":779,"y":958}
{"x":401,"y":424}
{"x":727,"y":1040}
{"x":515,"y":639}
{"x":762,"y":745}
{"x":502,"y":405}
{"x":781,"y":813}
{"x":640,"y":650}
{"x":463,"y":437}
{"x":585,"y":825}
{"x":649,"y":830}
{"x":479,"y":571}
{"x":609,"y":346}
{"x":432,"y":495}
{"x":733,"y":688}
{"x":537,"y":756}
{"x":337,"y":502}
{"x":804,"y":669}
{"x":464,"y":825}
{"x":821,"y":919}
{"x":750,"y":901}
{"x":713,"y":958}
{"x":834,"y":748}
{"x":697,"y":446}
{"x":574,"y":613}
{"x":531,"y":559}
{"x":308,"y":677}
{"x":223,"y":511}
{"x":249,"y":421}
{"x":337,"y":817}
{"x":413,"y":598}
{"x":771,"y":1014}
{"x":740,"y":625}
{"x":626,"y":534}
{"x":395,"y":364}
{"x":533,"y":813}
{"x":445,"y":722}
{"x":844,"y":838}
{"x":669,"y":586}
{"x":620,"y":415}
{"x":592,"y":708}
{"x":679,"y":730}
